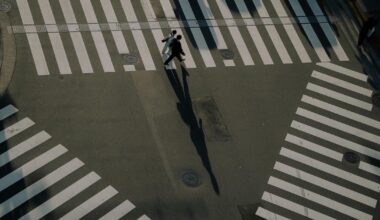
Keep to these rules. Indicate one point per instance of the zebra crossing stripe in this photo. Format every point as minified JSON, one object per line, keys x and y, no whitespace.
{"x":238,"y":39}
{"x":76,"y":37}
{"x":33,"y":39}
{"x":99,"y":41}
{"x":197,"y":34}
{"x":61,"y":197}
{"x":340,"y":111}
{"x":144,"y":217}
{"x":338,"y":125}
{"x":31,"y":166}
{"x":23,"y":147}
{"x":263,"y":213}
{"x":294,"y":207}
{"x":344,"y":71}
{"x":339,"y":96}
{"x":55,"y":38}
{"x":7,"y":111}
{"x":312,"y":36}
{"x":92,"y":203}
{"x":336,"y":140}
{"x":332,"y":187}
{"x":254,"y":32}
{"x":119,"y":211}
{"x":215,"y":31}
{"x":39,"y":186}
{"x":369,"y":168}
{"x":290,"y":30}
{"x":331,"y":37}
{"x":146,"y":57}
{"x":324,"y":167}
{"x":314,"y":197}
{"x":15,"y":129}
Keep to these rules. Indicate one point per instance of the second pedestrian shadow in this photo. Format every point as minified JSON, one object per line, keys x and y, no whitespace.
{"x":185,"y":108}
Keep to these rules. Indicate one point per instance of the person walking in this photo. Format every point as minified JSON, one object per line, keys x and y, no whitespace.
{"x":168,"y":40}
{"x":176,"y":49}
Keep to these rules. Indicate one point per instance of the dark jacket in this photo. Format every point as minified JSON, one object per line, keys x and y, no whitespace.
{"x":176,"y":47}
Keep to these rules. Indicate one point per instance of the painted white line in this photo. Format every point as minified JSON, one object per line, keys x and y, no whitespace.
{"x":272,"y":31}
{"x":335,"y":188}
{"x":338,"y":125}
{"x":339,"y":96}
{"x":76,"y":37}
{"x":129,"y":68}
{"x":198,"y":35}
{"x":324,"y":167}
{"x":344,"y":71}
{"x":263,"y":213}
{"x":336,"y":140}
{"x":215,"y":30}
{"x":39,"y":186}
{"x":144,"y":217}
{"x":31,"y":166}
{"x":7,"y":111}
{"x":55,"y":38}
{"x":61,"y":197}
{"x":341,"y":83}
{"x":235,"y":33}
{"x":322,"y":200}
{"x":369,"y":168}
{"x":15,"y":129}
{"x":100,"y":44}
{"x":119,"y":211}
{"x":92,"y":203}
{"x":33,"y":39}
{"x":143,"y":48}
{"x":254,"y":32}
{"x":297,"y":43}
{"x":330,"y":34}
{"x":312,"y":36}
{"x":23,"y":147}
{"x":314,"y":147}
{"x":340,"y":111}
{"x":294,"y":207}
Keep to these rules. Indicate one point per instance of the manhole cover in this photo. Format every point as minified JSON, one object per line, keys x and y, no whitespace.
{"x":130,"y":59}
{"x":376,"y":99}
{"x":227,"y":54}
{"x":5,"y":6}
{"x":351,"y":157}
{"x":190,"y":178}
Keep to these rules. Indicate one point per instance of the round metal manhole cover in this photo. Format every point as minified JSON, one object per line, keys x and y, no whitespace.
{"x":351,"y":157}
{"x":190,"y":178}
{"x":131,"y":59}
{"x":5,"y":6}
{"x":227,"y":54}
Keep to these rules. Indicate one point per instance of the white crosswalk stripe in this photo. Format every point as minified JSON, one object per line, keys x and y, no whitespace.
{"x":313,"y":166}
{"x":34,"y":185}
{"x":274,"y":20}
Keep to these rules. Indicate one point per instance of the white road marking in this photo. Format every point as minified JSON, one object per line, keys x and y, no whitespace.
{"x":144,"y":217}
{"x":39,"y":186}
{"x":100,"y":44}
{"x":76,"y":37}
{"x":33,"y":39}
{"x":61,"y":197}
{"x":263,"y":213}
{"x":92,"y":203}
{"x":238,"y":39}
{"x":31,"y":166}
{"x":339,"y":96}
{"x":369,"y":168}
{"x":344,"y":71}
{"x":330,"y":169}
{"x":322,"y":200}
{"x":118,"y":212}
{"x":15,"y":129}
{"x":335,"y":188}
{"x":294,"y":207}
{"x":7,"y":111}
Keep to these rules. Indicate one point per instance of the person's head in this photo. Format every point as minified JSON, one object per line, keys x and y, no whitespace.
{"x":174,"y":32}
{"x":179,"y":37}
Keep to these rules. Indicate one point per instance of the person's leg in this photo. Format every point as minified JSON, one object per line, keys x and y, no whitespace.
{"x":179,"y":57}
{"x":169,"y":59}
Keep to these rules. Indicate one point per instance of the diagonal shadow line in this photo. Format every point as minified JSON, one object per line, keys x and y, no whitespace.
{"x":185,"y":108}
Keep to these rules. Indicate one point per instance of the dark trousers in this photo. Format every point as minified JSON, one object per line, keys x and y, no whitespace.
{"x":171,"y":57}
{"x":368,"y":25}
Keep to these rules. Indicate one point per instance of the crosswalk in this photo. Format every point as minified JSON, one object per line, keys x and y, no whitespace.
{"x":12,"y":201}
{"x":258,"y":33}
{"x":312,"y":176}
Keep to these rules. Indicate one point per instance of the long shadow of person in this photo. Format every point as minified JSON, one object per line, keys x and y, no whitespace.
{"x":186,"y":111}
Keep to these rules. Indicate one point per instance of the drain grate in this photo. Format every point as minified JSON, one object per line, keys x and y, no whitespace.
{"x":130,"y":59}
{"x":191,"y":179}
{"x":227,"y":54}
{"x":351,"y":157}
{"x":5,"y":6}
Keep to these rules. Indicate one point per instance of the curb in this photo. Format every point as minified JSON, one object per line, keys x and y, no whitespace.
{"x":8,"y":53}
